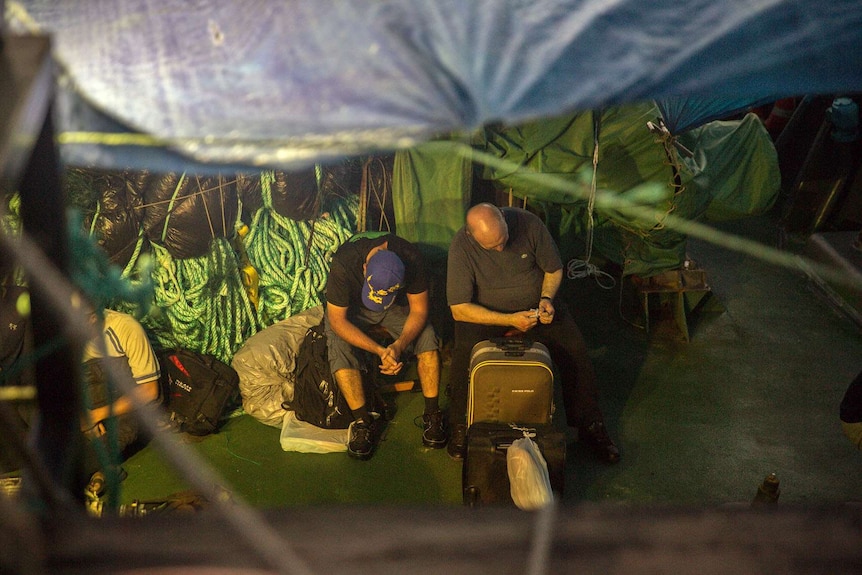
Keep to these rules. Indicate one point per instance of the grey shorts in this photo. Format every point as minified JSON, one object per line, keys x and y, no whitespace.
{"x":344,"y":356}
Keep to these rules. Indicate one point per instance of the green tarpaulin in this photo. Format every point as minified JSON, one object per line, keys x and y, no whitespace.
{"x":733,"y":172}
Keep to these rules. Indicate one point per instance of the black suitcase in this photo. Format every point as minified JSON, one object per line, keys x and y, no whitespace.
{"x":485,"y":479}
{"x":510,"y":380}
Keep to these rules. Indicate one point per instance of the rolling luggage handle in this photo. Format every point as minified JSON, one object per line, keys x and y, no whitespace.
{"x":512,"y":346}
{"x":505,"y":445}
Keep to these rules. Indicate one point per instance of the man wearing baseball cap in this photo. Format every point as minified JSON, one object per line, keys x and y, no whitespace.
{"x":378,"y":279}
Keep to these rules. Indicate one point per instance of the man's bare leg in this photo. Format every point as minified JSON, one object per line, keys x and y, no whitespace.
{"x":429,"y":372}
{"x":434,"y":432}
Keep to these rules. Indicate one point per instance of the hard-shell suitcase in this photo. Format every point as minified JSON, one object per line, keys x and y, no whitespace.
{"x":485,"y":479}
{"x":511,"y":380}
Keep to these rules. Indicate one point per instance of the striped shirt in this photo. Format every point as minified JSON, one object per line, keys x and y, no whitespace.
{"x":125,"y":337}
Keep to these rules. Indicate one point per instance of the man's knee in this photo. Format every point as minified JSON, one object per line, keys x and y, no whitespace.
{"x":341,"y":355}
{"x":431,"y":356}
{"x":426,"y":342}
{"x":348,"y":376}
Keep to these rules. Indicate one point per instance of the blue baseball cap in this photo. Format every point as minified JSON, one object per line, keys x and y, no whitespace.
{"x":384,"y":276}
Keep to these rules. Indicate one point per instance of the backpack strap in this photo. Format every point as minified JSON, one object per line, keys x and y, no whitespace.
{"x":370,"y":235}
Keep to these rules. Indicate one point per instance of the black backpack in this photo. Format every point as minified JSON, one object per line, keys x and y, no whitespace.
{"x":316,"y":397}
{"x":197,"y":390}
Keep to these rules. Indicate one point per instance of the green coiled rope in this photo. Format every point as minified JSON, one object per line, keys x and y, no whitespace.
{"x":292,"y":257}
{"x":201,"y":303}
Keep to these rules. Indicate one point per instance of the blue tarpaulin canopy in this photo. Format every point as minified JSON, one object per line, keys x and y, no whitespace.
{"x":288,"y":83}
{"x":683,"y":114}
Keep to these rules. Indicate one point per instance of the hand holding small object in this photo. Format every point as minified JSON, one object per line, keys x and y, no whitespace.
{"x":524,"y":320}
{"x":545,"y":311}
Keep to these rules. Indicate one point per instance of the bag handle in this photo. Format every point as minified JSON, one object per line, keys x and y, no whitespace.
{"x":512,"y":346}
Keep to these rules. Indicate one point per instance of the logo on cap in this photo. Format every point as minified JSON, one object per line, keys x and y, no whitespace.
{"x":384,"y":274}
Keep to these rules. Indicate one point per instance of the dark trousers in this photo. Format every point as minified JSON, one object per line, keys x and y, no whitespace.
{"x":568,"y":349}
{"x":128,"y":432}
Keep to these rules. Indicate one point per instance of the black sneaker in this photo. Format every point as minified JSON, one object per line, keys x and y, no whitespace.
{"x":434,"y":430}
{"x":458,"y":442}
{"x":596,"y":436}
{"x":361,"y":443}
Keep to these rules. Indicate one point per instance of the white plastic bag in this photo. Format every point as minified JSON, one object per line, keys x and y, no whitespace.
{"x":301,"y":436}
{"x":528,"y":475}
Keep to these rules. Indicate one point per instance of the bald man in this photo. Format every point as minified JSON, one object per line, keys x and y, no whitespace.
{"x":503,"y":265}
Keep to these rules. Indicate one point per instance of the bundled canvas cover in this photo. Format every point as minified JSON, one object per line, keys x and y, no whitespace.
{"x":734,"y":173}
{"x":266,"y":364}
{"x":112,"y":202}
{"x":186,"y":212}
{"x":736,"y":164}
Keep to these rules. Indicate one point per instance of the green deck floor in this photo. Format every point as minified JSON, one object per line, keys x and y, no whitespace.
{"x":756,"y":390}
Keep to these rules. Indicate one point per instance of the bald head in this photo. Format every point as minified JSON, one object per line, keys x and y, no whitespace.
{"x":486,"y":224}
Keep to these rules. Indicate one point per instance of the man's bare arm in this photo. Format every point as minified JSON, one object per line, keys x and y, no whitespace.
{"x":475,"y":313}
